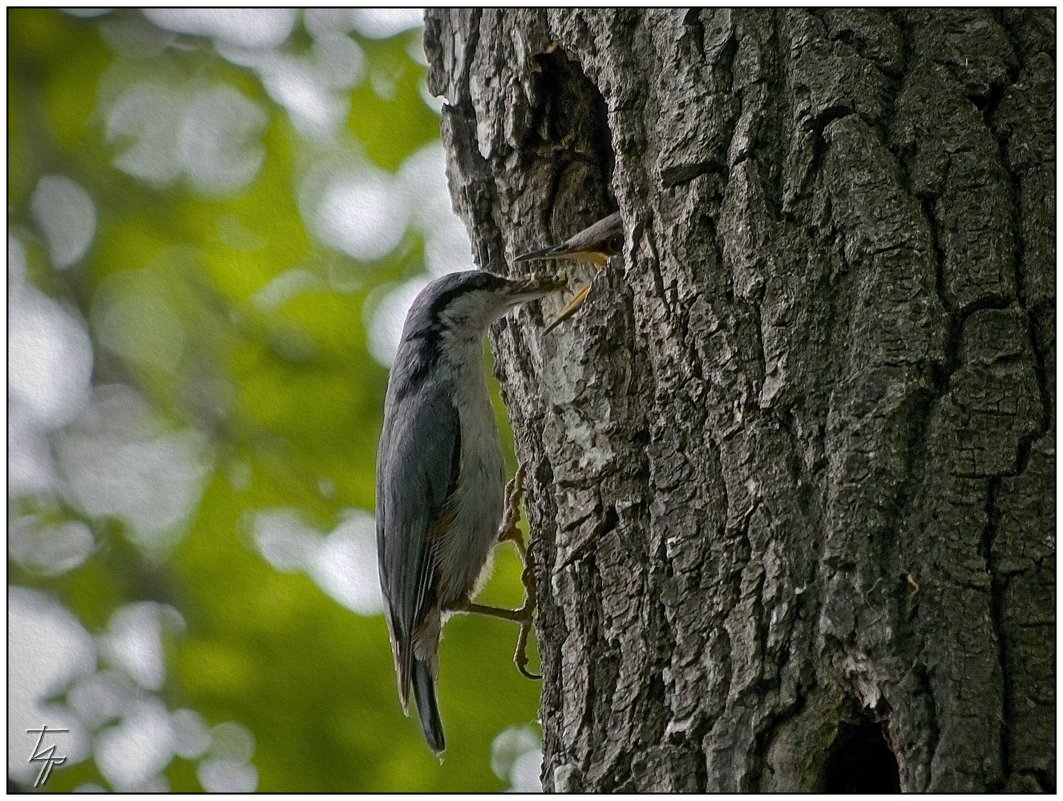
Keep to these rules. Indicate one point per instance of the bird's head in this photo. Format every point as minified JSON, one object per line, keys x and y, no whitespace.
{"x":596,"y":244}
{"x":465,"y":304}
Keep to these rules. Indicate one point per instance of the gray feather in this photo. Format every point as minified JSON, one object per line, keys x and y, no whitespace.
{"x":419,"y":450}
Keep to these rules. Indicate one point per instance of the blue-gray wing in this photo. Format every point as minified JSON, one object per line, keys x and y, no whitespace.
{"x":417,"y":466}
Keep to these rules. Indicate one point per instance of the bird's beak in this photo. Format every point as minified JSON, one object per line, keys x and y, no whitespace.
{"x":552,"y":252}
{"x":535,"y":287}
{"x":564,"y":251}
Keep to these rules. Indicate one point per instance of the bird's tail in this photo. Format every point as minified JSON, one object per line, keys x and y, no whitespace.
{"x":424,"y":691}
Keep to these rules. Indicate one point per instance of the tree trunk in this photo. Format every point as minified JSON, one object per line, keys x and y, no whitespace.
{"x":791,"y":465}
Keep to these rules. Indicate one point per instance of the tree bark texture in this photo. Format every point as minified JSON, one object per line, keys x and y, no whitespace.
{"x":792,"y":464}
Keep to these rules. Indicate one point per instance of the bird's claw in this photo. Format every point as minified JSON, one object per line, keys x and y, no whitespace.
{"x":531,"y":600}
{"x":511,"y":516}
{"x":509,"y":531}
{"x":520,"y":656}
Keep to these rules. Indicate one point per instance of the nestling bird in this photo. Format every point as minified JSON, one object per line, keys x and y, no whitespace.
{"x":441,"y":476}
{"x":596,"y":244}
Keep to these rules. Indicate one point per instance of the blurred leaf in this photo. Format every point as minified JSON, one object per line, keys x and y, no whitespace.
{"x":388,"y":113}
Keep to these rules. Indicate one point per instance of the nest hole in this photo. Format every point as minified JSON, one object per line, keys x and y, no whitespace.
{"x":861,"y":761}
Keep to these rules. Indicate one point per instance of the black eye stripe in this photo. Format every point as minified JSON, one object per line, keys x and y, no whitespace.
{"x":468,"y":282}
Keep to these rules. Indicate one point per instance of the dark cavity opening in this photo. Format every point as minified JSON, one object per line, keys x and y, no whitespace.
{"x":575,"y":111}
{"x":860,"y":761}
{"x":571,"y":142}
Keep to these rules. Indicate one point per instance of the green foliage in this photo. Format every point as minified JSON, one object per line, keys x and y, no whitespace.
{"x":387,"y":114}
{"x":251,"y":395}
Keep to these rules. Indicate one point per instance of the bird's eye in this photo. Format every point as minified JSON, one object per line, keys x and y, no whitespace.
{"x":615,"y":243}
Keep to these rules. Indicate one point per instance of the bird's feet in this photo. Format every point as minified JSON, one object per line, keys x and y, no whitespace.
{"x":531,"y":598}
{"x":509,"y":531}
{"x":511,"y":514}
{"x":523,"y":616}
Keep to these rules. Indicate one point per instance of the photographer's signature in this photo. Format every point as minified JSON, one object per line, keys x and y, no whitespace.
{"x":45,"y":755}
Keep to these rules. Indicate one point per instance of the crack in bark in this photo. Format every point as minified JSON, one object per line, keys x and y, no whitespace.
{"x":942,"y":372}
{"x":933,"y":732}
{"x":996,"y":616}
{"x":1040,"y":369}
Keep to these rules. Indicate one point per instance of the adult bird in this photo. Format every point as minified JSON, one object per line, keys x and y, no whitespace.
{"x":596,"y":244}
{"x":441,"y":475}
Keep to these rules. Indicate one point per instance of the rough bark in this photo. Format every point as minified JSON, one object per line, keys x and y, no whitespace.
{"x":792,"y":463}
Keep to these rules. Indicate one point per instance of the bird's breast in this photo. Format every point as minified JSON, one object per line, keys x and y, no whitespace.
{"x":478,"y":499}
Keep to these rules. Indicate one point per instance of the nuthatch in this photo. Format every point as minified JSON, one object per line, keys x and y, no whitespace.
{"x":441,"y":476}
{"x":596,"y":244}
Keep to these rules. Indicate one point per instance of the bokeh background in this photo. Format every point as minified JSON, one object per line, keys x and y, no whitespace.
{"x":216,"y":222}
